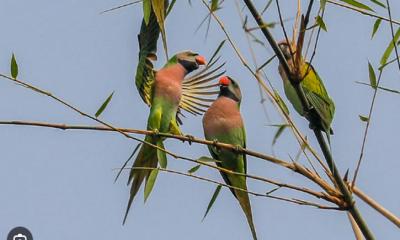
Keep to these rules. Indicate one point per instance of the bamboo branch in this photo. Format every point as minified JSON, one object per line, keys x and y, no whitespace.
{"x":266,"y":195}
{"x":332,"y":195}
{"x":371,"y":202}
{"x":299,"y":136}
{"x":324,"y":146}
{"x":359,"y":10}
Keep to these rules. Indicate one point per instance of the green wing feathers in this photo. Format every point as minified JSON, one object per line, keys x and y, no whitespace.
{"x":145,"y":73}
{"x":318,"y":97}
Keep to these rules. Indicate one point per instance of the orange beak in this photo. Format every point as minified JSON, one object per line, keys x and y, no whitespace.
{"x":224,"y":81}
{"x":200,"y":60}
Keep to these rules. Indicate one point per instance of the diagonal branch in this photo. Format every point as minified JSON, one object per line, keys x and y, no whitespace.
{"x":324,"y":146}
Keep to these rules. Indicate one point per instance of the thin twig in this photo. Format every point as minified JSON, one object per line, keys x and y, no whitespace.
{"x":362,"y":11}
{"x":366,"y":129}
{"x":392,"y":31}
{"x":371,"y":202}
{"x":357,"y":232}
{"x":266,"y":195}
{"x":324,"y":146}
{"x":299,"y":136}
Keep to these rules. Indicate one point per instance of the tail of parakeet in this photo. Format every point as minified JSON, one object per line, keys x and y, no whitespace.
{"x":244,"y":202}
{"x":146,"y":158}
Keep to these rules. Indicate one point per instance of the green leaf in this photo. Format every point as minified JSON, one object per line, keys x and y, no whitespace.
{"x":170,"y":7}
{"x":14,"y":67}
{"x":376,"y":26}
{"x":378,"y":3}
{"x":207,"y":159}
{"x":146,"y":11}
{"x":322,"y":4}
{"x":214,"y":5}
{"x":390,"y":48}
{"x":320,"y":22}
{"x":281,"y":102}
{"x":161,"y":155}
{"x":104,"y":105}
{"x":279,"y":132}
{"x":358,"y":4}
{"x":194,"y":169}
{"x":363,"y":118}
{"x":217,"y":51}
{"x":372,"y":76}
{"x":213,"y":198}
{"x":150,"y":183}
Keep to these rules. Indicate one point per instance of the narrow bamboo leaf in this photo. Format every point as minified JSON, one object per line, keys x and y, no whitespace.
{"x":378,"y":3}
{"x":358,"y":4}
{"x":363,"y":118}
{"x":321,"y":23}
{"x":161,"y":155}
{"x":278,"y":133}
{"x":146,"y":11}
{"x":207,"y":159}
{"x":376,"y":26}
{"x":213,"y":198}
{"x":217,"y":51}
{"x":127,"y":161}
{"x":104,"y":105}
{"x":170,"y":7}
{"x":150,"y":183}
{"x":14,"y":67}
{"x":390,"y":48}
{"x":214,"y":5}
{"x":322,"y":4}
{"x":194,"y":169}
{"x":281,"y":102}
{"x":372,"y":76}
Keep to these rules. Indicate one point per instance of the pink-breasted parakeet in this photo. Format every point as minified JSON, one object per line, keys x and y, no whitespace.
{"x":223,"y":123}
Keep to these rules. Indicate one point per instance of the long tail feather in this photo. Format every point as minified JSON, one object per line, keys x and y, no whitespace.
{"x":244,"y":202}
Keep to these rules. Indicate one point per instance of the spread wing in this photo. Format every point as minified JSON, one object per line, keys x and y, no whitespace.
{"x":199,"y":90}
{"x":145,"y":73}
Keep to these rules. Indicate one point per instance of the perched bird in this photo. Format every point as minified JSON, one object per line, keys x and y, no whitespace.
{"x":313,"y":88}
{"x":165,"y":99}
{"x":167,"y":92}
{"x":223,"y":123}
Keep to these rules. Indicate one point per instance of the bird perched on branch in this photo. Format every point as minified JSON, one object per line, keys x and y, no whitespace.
{"x":322,"y":106}
{"x":223,"y":123}
{"x":167,"y":92}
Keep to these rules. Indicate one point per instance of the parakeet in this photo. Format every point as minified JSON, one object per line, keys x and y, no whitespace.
{"x":313,"y":88}
{"x":223,"y":123}
{"x":167,"y":92}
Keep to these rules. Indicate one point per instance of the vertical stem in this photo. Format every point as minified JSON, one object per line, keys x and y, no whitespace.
{"x":318,"y":134}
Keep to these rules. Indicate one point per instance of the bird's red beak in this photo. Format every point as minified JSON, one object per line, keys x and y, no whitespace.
{"x":200,"y":60}
{"x":224,"y":81}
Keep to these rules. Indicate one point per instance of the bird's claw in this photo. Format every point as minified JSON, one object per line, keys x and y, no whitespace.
{"x":238,"y":148}
{"x":156,"y":132}
{"x":189,"y":139}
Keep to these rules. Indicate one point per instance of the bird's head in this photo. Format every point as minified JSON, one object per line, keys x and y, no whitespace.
{"x":285,"y":48}
{"x":229,"y":88}
{"x":189,"y":60}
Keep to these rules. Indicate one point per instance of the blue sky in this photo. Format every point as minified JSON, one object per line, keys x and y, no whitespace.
{"x":59,"y":184}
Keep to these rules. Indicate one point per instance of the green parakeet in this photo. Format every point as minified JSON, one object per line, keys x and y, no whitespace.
{"x":167,"y":92}
{"x":223,"y":122}
{"x":313,"y":88}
